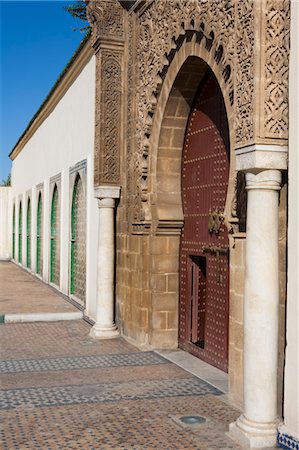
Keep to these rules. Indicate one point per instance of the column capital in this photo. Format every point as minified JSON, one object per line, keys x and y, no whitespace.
{"x":264,"y":180}
{"x":107,"y":192}
{"x":262,"y":157}
{"x":106,"y":202}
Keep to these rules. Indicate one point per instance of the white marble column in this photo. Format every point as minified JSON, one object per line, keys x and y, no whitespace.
{"x":105,"y":327}
{"x":257,"y":426}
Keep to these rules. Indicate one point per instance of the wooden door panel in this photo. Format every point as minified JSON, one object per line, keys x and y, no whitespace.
{"x":204,"y":283}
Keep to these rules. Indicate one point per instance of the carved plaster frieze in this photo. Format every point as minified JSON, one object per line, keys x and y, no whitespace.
{"x":162,"y":28}
{"x":108,"y":118}
{"x":275,"y":69}
{"x":106,"y":19}
{"x":231,"y":31}
{"x":244,"y":73}
{"x":246,"y":43}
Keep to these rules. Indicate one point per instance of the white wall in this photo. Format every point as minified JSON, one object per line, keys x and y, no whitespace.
{"x":5,"y":223}
{"x":63,"y":139}
{"x":291,"y":399}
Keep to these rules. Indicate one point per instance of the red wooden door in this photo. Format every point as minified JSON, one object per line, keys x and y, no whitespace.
{"x":204,"y":267}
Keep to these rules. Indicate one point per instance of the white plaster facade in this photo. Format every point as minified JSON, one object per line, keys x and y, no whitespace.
{"x":63,"y":139}
{"x":5,"y":224}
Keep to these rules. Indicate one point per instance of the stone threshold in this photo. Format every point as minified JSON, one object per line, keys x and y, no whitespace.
{"x":200,"y":369}
{"x":40,"y":317}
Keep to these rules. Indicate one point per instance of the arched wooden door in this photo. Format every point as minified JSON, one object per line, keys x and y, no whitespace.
{"x":39,"y":236}
{"x":204,"y":282}
{"x":78,"y":242}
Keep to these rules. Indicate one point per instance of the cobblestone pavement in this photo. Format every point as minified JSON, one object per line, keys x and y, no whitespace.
{"x":64,"y":390}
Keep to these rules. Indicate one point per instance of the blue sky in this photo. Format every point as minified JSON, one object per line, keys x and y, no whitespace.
{"x":36,"y":42}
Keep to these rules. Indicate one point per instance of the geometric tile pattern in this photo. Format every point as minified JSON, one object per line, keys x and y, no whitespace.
{"x":20,"y":233}
{"x":78,"y":251}
{"x":39,"y":236}
{"x":137,"y":425}
{"x":55,"y":237}
{"x":104,"y":392}
{"x":28,"y":231}
{"x":59,"y":394}
{"x":285,"y":441}
{"x":81,"y":362}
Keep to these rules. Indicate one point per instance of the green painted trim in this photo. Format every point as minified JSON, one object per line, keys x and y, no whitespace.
{"x":28,"y":237}
{"x":2,"y":318}
{"x":38,"y":234}
{"x":73,"y":236}
{"x":20,"y":234}
{"x":53,"y":231}
{"x":13,"y":231}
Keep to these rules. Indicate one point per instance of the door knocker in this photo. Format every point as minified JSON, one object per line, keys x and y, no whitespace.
{"x":215,"y":221}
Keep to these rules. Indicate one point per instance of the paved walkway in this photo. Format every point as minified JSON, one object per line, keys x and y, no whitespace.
{"x":63,"y":390}
{"x":24,"y":297}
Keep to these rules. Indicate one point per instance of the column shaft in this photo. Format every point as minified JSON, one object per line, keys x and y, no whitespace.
{"x":105,"y":327}
{"x":257,"y":426}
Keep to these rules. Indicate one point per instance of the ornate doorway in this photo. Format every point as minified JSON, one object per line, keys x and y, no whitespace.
{"x":204,"y":264}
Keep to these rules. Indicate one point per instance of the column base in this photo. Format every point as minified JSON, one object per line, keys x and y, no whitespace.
{"x":98,"y":332}
{"x":253,"y":434}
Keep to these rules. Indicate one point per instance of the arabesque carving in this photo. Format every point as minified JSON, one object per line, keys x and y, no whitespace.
{"x":110,"y":107}
{"x":244,"y":74}
{"x":277,"y":37}
{"x":106,"y":19}
{"x":163,"y":27}
{"x":226,"y":32}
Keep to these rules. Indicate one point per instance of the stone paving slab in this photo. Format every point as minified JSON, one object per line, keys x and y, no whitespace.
{"x":101,"y":395}
{"x":48,"y":340}
{"x":59,"y":394}
{"x":22,"y":293}
{"x":89,"y":376}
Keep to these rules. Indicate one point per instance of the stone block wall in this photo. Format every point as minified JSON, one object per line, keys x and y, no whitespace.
{"x":132,"y":287}
{"x":164,"y":284}
{"x":235,"y":347}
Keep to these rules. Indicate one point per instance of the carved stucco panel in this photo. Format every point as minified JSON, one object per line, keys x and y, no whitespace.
{"x":108,"y":117}
{"x":277,"y":35}
{"x":244,"y":74}
{"x":228,"y":30}
{"x":106,"y":18}
{"x":161,"y":28}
